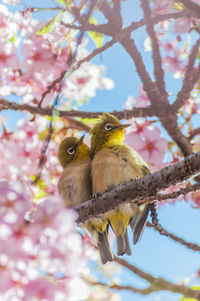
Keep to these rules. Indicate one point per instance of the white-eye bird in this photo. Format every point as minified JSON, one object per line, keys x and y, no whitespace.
{"x":113,"y":163}
{"x":75,"y":187}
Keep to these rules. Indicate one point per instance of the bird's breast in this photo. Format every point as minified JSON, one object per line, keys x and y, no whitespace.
{"x":75,"y":183}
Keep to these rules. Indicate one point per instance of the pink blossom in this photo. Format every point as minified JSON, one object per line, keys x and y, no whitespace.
{"x":170,"y":47}
{"x":195,"y":196}
{"x":182,"y":25}
{"x":141,"y":101}
{"x":41,"y":289}
{"x":40,"y":57}
{"x":84,"y":82}
{"x":8,"y":27}
{"x":162,"y":6}
{"x":50,"y":241}
{"x":137,"y":127}
{"x":41,"y":61}
{"x":191,"y":107}
{"x":172,"y":64}
{"x":8,"y":56}
{"x":30,"y":86}
{"x":148,"y":143}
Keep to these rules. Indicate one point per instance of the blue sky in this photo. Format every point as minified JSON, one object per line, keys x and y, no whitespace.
{"x":155,"y":254}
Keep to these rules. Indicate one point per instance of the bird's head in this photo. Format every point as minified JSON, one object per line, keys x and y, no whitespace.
{"x":109,"y":130}
{"x":71,"y":150}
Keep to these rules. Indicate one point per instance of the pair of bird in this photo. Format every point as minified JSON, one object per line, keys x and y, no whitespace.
{"x":107,"y":164}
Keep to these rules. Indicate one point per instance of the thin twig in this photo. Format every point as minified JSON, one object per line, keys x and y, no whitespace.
{"x":101,"y":28}
{"x":97,"y":51}
{"x":144,"y":291}
{"x":174,"y":194}
{"x":154,"y":218}
{"x":159,"y":284}
{"x":189,"y":245}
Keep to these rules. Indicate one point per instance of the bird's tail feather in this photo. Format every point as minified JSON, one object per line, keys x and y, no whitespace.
{"x":127,"y":245}
{"x":104,"y":247}
{"x":138,"y":224}
{"x":123,"y":246}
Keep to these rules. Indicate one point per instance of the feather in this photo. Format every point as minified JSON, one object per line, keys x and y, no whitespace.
{"x":138,"y":224}
{"x":104,"y":248}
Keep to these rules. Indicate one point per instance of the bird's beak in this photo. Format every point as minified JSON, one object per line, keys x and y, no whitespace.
{"x":80,"y":141}
{"x":122,"y":126}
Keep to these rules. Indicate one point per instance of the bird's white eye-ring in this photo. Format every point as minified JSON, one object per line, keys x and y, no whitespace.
{"x":108,"y":126}
{"x":71,"y":151}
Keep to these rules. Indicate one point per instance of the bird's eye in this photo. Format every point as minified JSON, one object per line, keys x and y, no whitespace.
{"x":108,"y":127}
{"x":71,"y":151}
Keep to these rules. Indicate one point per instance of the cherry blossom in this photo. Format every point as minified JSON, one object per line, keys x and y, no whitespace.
{"x":163,"y":6}
{"x":147,"y":141}
{"x":8,"y":56}
{"x":45,"y":247}
{"x":182,"y":25}
{"x":141,"y":101}
{"x":172,"y":64}
{"x":196,"y":199}
{"x":41,"y":59}
{"x":43,"y":253}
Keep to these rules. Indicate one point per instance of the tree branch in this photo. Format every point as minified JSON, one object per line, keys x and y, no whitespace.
{"x":101,"y":28}
{"x":97,"y":51}
{"x":193,"y":133}
{"x":126,"y":114}
{"x":139,"y":188}
{"x":169,"y":122}
{"x":190,"y":78}
{"x":128,"y":43}
{"x":189,"y":245}
{"x":174,"y":194}
{"x":144,"y":291}
{"x":192,"y":7}
{"x":163,"y":110}
{"x":78,"y":125}
{"x":105,"y":28}
{"x":159,"y":284}
{"x":158,"y":71}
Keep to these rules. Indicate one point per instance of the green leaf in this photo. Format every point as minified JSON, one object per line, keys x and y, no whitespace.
{"x":61,"y":2}
{"x":50,"y":25}
{"x":95,"y":36}
{"x":196,"y":287}
{"x":12,"y":39}
{"x":64,"y":2}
